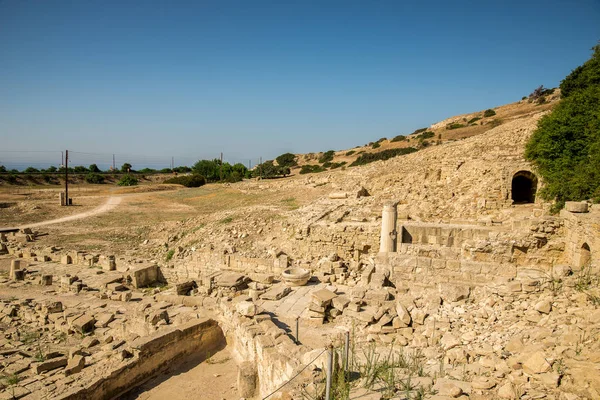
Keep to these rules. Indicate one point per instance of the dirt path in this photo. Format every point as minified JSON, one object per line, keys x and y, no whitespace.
{"x":214,"y":379}
{"x":111,"y":203}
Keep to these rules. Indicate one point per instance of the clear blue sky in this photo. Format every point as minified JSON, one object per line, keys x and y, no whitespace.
{"x":259,"y":78}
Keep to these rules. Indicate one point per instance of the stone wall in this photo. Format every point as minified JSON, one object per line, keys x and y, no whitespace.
{"x":261,"y":342}
{"x":582,"y":229}
{"x":151,"y":355}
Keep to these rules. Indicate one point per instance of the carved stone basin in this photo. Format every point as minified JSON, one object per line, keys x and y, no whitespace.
{"x":295,"y":276}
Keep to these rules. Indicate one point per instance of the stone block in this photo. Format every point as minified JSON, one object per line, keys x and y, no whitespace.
{"x":247,"y":379}
{"x":277,"y":292}
{"x":49,"y":365}
{"x":83,"y":324}
{"x":143,"y":276}
{"x":75,"y":365}
{"x":322,"y":297}
{"x":576,"y":206}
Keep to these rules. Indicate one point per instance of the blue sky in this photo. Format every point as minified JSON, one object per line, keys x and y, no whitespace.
{"x":190,"y":79}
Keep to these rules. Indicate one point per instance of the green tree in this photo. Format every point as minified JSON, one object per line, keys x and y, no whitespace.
{"x":80,"y":169}
{"x":584,"y":76}
{"x":208,"y":169}
{"x":565,"y":147}
{"x":125,"y":168}
{"x":51,"y":169}
{"x":2,"y":169}
{"x":94,"y":168}
{"x":286,"y":160}
{"x":31,"y":170}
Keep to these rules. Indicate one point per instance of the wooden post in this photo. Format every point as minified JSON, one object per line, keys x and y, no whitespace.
{"x":66,"y":177}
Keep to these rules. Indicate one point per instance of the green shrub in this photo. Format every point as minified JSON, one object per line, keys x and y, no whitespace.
{"x":473,"y":120}
{"x":454,"y":126}
{"x":496,"y":122}
{"x":193,"y":180}
{"x":489,"y":113}
{"x":399,"y":138}
{"x":327,"y":156}
{"x":383,"y":139}
{"x":375,"y":145}
{"x":169,"y":255}
{"x":128,"y":180}
{"x":94,"y":178}
{"x":309,"y":169}
{"x":12,"y":179}
{"x":382,"y":155}
{"x":31,"y":170}
{"x":349,"y":153}
{"x":338,"y":164}
{"x":419,"y":131}
{"x":425,"y":135}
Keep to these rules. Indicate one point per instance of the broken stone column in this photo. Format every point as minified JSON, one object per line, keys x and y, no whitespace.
{"x":388,"y":228}
{"x":15,"y":265}
{"x":246,"y":380}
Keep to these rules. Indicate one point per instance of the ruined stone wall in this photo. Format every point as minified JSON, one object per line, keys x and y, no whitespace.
{"x":582,"y":228}
{"x":151,"y":355}
{"x":347,"y":240}
{"x":259,"y":341}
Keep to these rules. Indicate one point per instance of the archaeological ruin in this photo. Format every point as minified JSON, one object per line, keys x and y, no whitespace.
{"x":445,"y":261}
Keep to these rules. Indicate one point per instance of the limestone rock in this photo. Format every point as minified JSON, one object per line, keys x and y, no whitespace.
{"x":536,"y":364}
{"x":403,"y":314}
{"x":75,"y":365}
{"x":449,"y":341}
{"x":246,"y":308}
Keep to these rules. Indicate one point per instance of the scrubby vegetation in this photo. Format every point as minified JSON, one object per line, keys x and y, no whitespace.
{"x":309,"y":169}
{"x":473,"y":120}
{"x":425,"y":135}
{"x":375,"y":145}
{"x":367,"y":158}
{"x":489,"y":113}
{"x":128,"y":180}
{"x":92,"y":177}
{"x":454,"y":125}
{"x":399,"y":138}
{"x":565,"y":148}
{"x":327,"y":156}
{"x":349,"y":153}
{"x":193,"y":180}
{"x":268,"y":170}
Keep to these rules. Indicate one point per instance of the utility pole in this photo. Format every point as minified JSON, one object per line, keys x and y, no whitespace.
{"x":113,"y":162}
{"x":66,"y":177}
{"x":260,"y":168}
{"x":221,"y":170}
{"x":172,"y":163}
{"x":62,"y":158}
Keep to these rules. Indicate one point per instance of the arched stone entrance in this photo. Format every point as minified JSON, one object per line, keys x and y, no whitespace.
{"x":585,"y":255}
{"x":523,"y":187}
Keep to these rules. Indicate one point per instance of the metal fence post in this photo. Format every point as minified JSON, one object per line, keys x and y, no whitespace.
{"x":297,"y":330}
{"x":347,"y":352}
{"x":329,"y":373}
